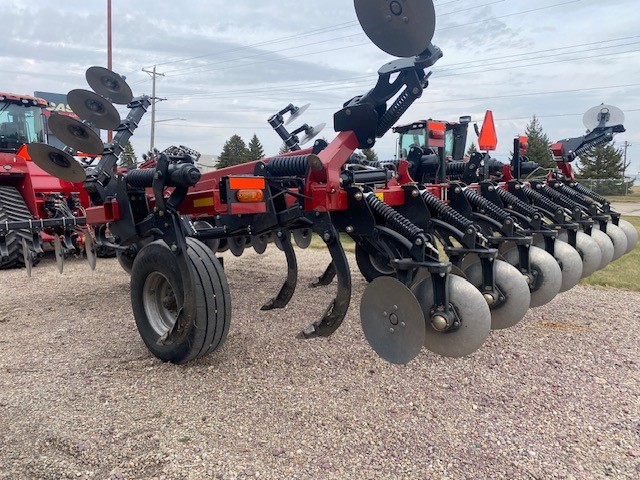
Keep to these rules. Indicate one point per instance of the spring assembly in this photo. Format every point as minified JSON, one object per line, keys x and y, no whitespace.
{"x":589,"y":193}
{"x":491,"y":209}
{"x":590,"y":144}
{"x":515,"y":203}
{"x":456,"y":169}
{"x":393,"y":219}
{"x":446,"y":213}
{"x":295,"y":166}
{"x":539,"y":199}
{"x":574,"y":195}
{"x":391,"y":116}
{"x":557,"y":197}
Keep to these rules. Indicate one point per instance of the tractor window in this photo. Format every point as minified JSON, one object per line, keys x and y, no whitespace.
{"x":411,"y":138}
{"x":19,"y":124}
{"x":448,"y":143}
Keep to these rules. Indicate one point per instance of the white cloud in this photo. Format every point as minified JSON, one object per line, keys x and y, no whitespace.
{"x":493,"y":51}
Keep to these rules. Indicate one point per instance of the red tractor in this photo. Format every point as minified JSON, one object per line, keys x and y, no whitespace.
{"x":28,"y":193}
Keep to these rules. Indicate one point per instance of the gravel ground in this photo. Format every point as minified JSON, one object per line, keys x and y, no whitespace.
{"x":557,"y":396}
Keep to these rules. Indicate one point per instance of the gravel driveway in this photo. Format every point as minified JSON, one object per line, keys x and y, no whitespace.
{"x":557,"y":396}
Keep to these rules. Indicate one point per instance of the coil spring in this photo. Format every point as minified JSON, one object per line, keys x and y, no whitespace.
{"x":589,"y":193}
{"x":140,"y":177}
{"x":557,"y":197}
{"x":456,"y":168}
{"x":491,"y":209}
{"x":391,"y":116}
{"x":445,"y":212}
{"x":515,"y":203}
{"x":539,"y":199}
{"x":393,"y":219}
{"x":573,"y":195}
{"x":589,"y":145}
{"x":295,"y":166}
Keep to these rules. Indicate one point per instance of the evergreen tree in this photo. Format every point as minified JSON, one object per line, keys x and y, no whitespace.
{"x":539,"y":149}
{"x":234,"y":152}
{"x":369,"y":154}
{"x":472,"y":149}
{"x":283,"y":149}
{"x":128,"y":157}
{"x":256,"y":151}
{"x":604,"y":166}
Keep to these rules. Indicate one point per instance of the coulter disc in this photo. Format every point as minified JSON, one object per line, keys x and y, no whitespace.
{"x":570,"y":263}
{"x":588,"y":250}
{"x":302,"y":237}
{"x":512,"y":285}
{"x":548,"y":276}
{"x":57,"y":248}
{"x":27,"y":257}
{"x":236,"y":245}
{"x":392,"y":320}
{"x":618,"y":238}
{"x":606,"y":246}
{"x":631,"y":233}
{"x":90,"y":248}
{"x":259,"y":243}
{"x":472,"y":310}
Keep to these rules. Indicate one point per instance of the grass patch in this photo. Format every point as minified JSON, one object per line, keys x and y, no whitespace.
{"x":633,"y":197}
{"x":623,"y":273}
{"x":347,"y":242}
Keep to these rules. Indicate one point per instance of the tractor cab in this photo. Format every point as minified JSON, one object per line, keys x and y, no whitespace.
{"x":430,"y":135}
{"x":20,"y":121}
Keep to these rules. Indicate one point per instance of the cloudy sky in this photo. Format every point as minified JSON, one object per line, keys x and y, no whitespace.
{"x":228,"y":66}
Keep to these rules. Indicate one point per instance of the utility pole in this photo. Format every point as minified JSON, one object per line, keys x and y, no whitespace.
{"x":624,"y":166}
{"x":109,"y":54}
{"x":154,"y":99}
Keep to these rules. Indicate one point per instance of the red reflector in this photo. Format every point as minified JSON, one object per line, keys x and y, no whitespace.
{"x":237,"y":183}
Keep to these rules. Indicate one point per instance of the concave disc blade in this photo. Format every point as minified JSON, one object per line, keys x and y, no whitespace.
{"x":75,"y":134}
{"x":297,"y":113}
{"x":26,"y":257}
{"x":603,"y":116}
{"x":56,"y":162}
{"x":392,"y":320}
{"x":402,"y":28}
{"x":259,"y":243}
{"x":236,"y":245}
{"x":90,"y":249}
{"x":302,"y":237}
{"x":94,"y":109}
{"x":109,"y":84}
{"x":312,"y":133}
{"x":57,"y":248}
{"x":472,"y":309}
{"x":511,"y":284}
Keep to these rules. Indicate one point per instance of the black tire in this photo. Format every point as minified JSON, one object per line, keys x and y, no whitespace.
{"x":158,"y":294}
{"x":13,"y":208}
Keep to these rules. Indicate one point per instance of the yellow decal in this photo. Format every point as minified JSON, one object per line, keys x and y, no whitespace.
{"x":203,"y":202}
{"x":380,"y":195}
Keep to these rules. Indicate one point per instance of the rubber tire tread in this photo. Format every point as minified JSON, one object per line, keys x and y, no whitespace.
{"x":211,"y":319}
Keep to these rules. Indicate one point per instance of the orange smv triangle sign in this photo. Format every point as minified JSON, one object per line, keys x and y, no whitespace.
{"x":488,"y":139}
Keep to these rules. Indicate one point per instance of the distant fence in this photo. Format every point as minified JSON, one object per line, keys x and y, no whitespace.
{"x":608,"y":186}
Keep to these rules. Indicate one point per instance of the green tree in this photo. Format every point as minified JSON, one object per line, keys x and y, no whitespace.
{"x":256,"y":151}
{"x":601,"y":169}
{"x":283,"y":149}
{"x":128,"y":157}
{"x":234,"y":152}
{"x":472,"y":149}
{"x":369,"y":154}
{"x":539,"y":149}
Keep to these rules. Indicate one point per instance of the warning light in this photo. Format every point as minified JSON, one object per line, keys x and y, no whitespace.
{"x":524,"y":145}
{"x":250,"y":196}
